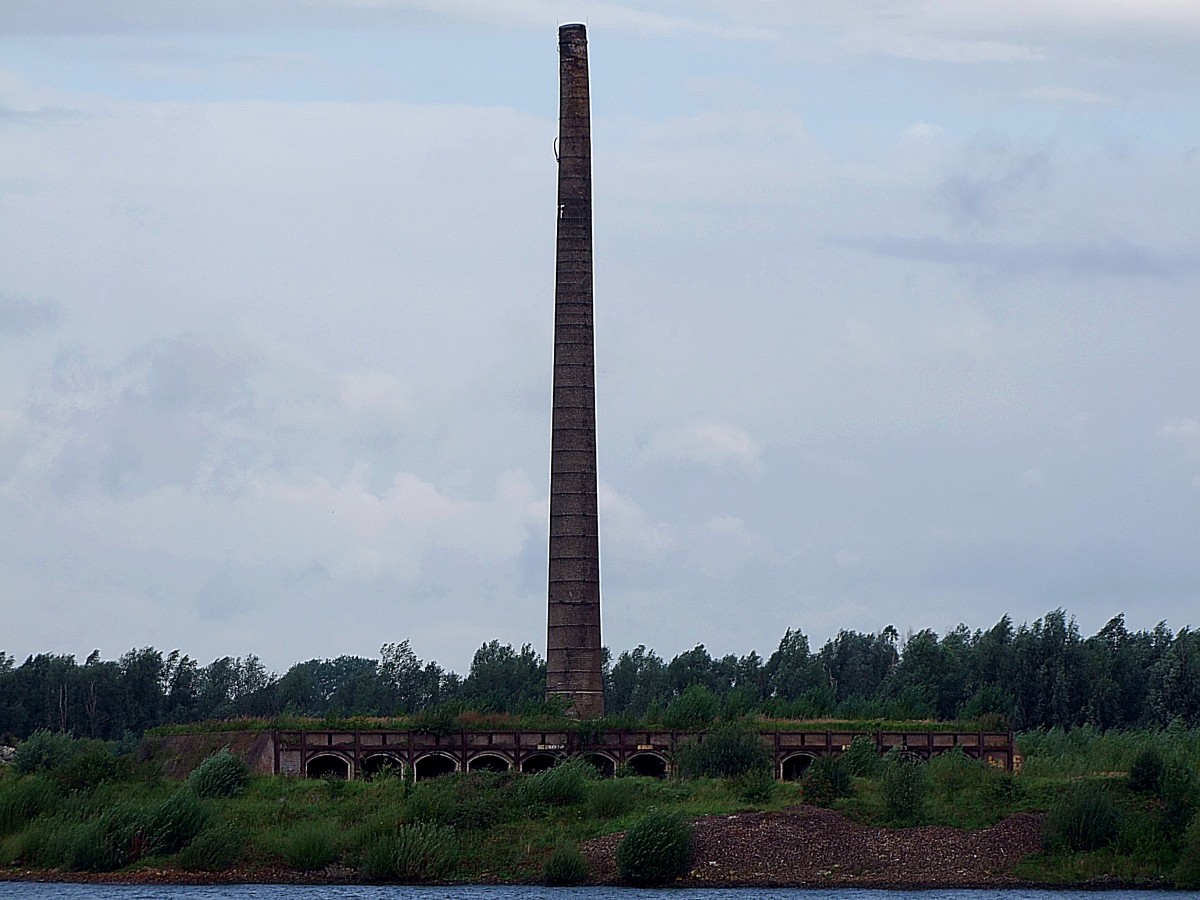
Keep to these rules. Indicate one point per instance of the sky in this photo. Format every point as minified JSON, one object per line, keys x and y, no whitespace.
{"x":896,"y":315}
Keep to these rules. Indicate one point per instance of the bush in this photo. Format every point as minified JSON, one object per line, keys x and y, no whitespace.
{"x":825,"y":780}
{"x":42,"y":751}
{"x":91,"y":764}
{"x":657,"y":849}
{"x":414,"y":853}
{"x":220,"y":775}
{"x":725,"y":752}
{"x":1085,"y":818}
{"x":611,"y":798}
{"x":171,"y":826}
{"x":24,"y":800}
{"x":905,"y":786}
{"x":862,"y":759}
{"x":309,"y":847}
{"x":564,"y":785}
{"x":565,"y":865}
{"x":1146,"y":772}
{"x":213,"y":850}
{"x":754,"y":787}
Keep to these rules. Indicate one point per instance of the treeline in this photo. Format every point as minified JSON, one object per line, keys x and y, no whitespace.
{"x":1027,"y":676}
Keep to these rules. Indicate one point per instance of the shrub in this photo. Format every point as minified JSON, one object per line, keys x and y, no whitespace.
{"x":1084,"y":818}
{"x":862,"y":759}
{"x":564,"y":785}
{"x":91,"y":764}
{"x":220,"y":775}
{"x":657,"y":849}
{"x":611,"y":798}
{"x":309,"y":847}
{"x":953,"y":772}
{"x":213,"y":850}
{"x":171,"y":826}
{"x":42,"y":751}
{"x":905,"y":786}
{"x":725,"y":752}
{"x":418,"y":852}
{"x":1146,"y":772}
{"x":825,"y":780}
{"x":24,"y":800}
{"x":565,"y":865}
{"x":754,"y":787}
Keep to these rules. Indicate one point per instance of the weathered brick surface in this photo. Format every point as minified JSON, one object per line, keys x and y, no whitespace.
{"x":573,"y":621}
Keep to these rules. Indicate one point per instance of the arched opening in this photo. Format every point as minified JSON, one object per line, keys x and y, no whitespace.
{"x":648,"y":765}
{"x":604,"y":764}
{"x":434,"y":765}
{"x":794,"y":767}
{"x":538,"y":762}
{"x":382,"y":764}
{"x":488,"y":762}
{"x":328,"y":766}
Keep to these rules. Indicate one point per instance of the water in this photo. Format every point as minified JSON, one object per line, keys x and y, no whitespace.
{"x":30,"y":891}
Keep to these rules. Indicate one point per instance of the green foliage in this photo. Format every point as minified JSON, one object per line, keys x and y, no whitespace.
{"x":45,"y":842}
{"x":106,"y":843}
{"x":905,"y":788}
{"x":725,"y":752}
{"x":756,"y":786}
{"x":468,"y":801}
{"x":862,"y":760}
{"x":611,"y":798}
{"x":1187,"y":871}
{"x":1146,"y":773}
{"x":213,"y":850}
{"x":694,"y":708}
{"x":657,"y":849}
{"x":24,"y":799}
{"x":825,"y":780}
{"x":563,"y":785}
{"x":565,"y":866}
{"x":1084,"y":818}
{"x":309,"y":846}
{"x":220,"y":775}
{"x":171,"y":825}
{"x":43,"y":751}
{"x":413,"y":853}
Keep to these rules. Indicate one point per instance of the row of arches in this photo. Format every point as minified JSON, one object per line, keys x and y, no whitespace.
{"x":332,"y":764}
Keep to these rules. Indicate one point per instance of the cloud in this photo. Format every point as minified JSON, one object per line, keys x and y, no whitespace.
{"x":126,"y":16}
{"x":715,"y":444}
{"x":1066,"y":95}
{"x":1115,"y":258}
{"x":22,"y":316}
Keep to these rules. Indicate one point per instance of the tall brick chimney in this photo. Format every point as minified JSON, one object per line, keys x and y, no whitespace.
{"x":573,"y":663}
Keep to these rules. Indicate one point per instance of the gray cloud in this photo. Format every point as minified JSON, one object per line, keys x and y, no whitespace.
{"x":1117,"y":258}
{"x":22,"y":316}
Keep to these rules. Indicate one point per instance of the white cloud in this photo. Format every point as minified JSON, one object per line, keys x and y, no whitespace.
{"x":628,"y":533}
{"x":716,"y":444}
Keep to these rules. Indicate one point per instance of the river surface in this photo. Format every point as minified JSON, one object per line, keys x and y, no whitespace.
{"x":30,"y":891}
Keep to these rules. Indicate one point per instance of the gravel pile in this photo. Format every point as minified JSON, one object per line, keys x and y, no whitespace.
{"x":810,"y":847}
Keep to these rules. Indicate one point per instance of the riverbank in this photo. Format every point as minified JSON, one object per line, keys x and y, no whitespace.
{"x":799,"y":847}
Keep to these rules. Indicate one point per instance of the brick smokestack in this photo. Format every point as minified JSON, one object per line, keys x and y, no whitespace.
{"x":573,"y":664}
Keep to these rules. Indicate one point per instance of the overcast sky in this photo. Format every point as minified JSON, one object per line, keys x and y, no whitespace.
{"x":897,"y":306}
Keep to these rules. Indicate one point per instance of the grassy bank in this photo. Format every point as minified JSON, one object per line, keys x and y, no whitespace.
{"x":1118,"y":806}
